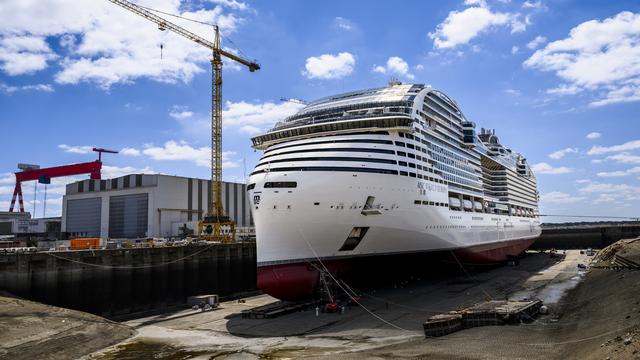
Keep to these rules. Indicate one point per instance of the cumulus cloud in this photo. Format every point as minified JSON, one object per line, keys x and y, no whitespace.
{"x":514,"y":50}
{"x":544,"y":168}
{"x":328,"y":66}
{"x":9,"y":89}
{"x":460,"y":27}
{"x":343,"y":23}
{"x":182,"y":151}
{"x":180,"y":112}
{"x":24,"y":54}
{"x":619,"y":173}
{"x":130,"y":152}
{"x":625,"y":158}
{"x":593,"y":135}
{"x":629,"y":145}
{"x":557,"y":197}
{"x":535,"y":43}
{"x":601,"y":56}
{"x":556,"y":155}
{"x":395,"y":66}
{"x":102,"y":43}
{"x":109,"y":172}
{"x":254,"y":118}
{"x":84,"y":149}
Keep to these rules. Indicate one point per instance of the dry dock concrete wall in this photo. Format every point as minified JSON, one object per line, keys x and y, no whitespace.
{"x":582,"y":237}
{"x":122,"y":281}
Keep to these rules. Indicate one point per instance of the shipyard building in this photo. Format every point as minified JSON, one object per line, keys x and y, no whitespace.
{"x":144,"y":206}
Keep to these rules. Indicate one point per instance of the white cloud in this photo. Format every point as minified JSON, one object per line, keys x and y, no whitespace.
{"x":9,"y":89}
{"x":343,"y":23}
{"x":533,"y":5}
{"x":557,"y":197}
{"x":601,"y":56}
{"x":629,"y":145}
{"x":561,"y":153}
{"x":255,"y":118}
{"x":395,"y":66}
{"x":564,"y":89}
{"x":544,"y":168}
{"x":625,"y":158}
{"x":109,"y":46}
{"x":535,"y":43}
{"x":328,"y":66}
{"x":182,"y":151}
{"x":619,"y":173}
{"x":597,"y":161}
{"x":24,"y":54}
{"x":232,"y":4}
{"x":596,"y":187}
{"x":514,"y":50}
{"x":180,"y":112}
{"x":109,"y":172}
{"x":85,"y":149}
{"x":7,"y":178}
{"x":130,"y":152}
{"x":593,"y":135}
{"x":513,"y":92}
{"x":460,"y":27}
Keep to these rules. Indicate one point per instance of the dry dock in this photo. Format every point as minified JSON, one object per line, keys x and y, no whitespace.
{"x":388,"y":326}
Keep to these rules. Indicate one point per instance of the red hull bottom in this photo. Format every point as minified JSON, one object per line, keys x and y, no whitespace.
{"x":295,"y":281}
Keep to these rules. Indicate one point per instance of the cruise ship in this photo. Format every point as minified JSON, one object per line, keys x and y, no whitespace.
{"x":379,"y":173}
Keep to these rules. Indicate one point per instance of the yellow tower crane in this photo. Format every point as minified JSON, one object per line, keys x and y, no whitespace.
{"x":216,"y":224}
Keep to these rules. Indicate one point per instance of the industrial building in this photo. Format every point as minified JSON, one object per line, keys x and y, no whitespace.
{"x":147,"y":205}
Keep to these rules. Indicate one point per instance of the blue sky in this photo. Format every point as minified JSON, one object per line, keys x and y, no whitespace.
{"x":560,"y":81}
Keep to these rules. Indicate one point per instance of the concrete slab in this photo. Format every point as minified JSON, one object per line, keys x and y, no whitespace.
{"x":389,"y":315}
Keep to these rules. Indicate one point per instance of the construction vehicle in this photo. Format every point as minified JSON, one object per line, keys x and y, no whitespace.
{"x":216,"y":225}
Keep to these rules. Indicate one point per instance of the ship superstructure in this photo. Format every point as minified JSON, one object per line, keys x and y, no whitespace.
{"x":381,"y":172}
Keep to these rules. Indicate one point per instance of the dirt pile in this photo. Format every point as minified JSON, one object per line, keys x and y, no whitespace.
{"x":30,"y":330}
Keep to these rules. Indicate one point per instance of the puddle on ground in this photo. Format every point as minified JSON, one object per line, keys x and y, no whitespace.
{"x":552,"y":293}
{"x":153,"y":350}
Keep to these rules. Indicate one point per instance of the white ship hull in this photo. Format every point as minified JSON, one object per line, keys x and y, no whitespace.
{"x":292,"y":230}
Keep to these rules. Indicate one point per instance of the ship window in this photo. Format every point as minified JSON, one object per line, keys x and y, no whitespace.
{"x":412,"y":165}
{"x":399,"y":143}
{"x":409,"y":136}
{"x":419,"y":176}
{"x":371,"y":150}
{"x":412,"y":174}
{"x":365,"y":141}
{"x":401,"y":134}
{"x":402,"y":163}
{"x":417,"y":202}
{"x":251,"y":187}
{"x":353,"y":239}
{"x":410,"y":146}
{"x":411,"y":155}
{"x":402,"y":153}
{"x":280,"y":184}
{"x":404,"y":173}
{"x":330,"y":158}
{"x":328,"y":168}
{"x":419,"y":167}
{"x":430,"y":202}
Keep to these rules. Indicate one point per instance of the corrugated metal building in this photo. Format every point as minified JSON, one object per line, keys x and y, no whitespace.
{"x":141,"y":205}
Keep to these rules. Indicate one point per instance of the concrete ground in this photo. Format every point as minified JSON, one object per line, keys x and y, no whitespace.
{"x":389,"y":321}
{"x":30,"y":330}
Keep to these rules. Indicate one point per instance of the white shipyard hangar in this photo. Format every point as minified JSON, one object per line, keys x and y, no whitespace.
{"x":145,"y":206}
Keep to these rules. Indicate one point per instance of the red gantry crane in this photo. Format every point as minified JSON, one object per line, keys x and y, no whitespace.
{"x":44,"y":176}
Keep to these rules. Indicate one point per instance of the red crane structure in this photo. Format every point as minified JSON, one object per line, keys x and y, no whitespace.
{"x":44,"y":175}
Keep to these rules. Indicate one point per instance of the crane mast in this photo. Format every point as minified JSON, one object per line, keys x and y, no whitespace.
{"x":216,"y":224}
